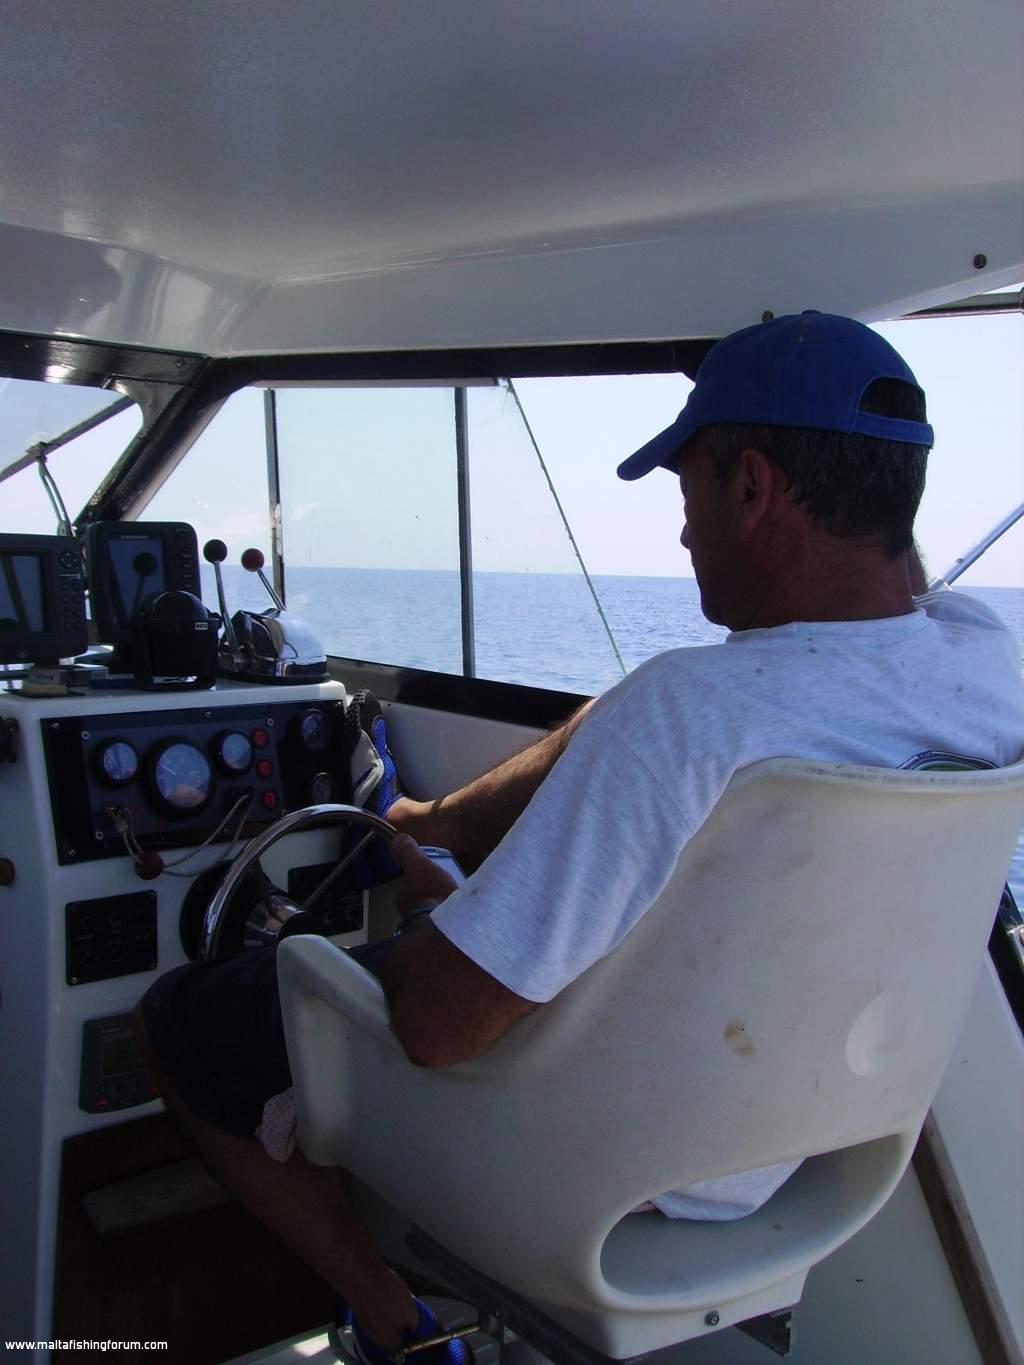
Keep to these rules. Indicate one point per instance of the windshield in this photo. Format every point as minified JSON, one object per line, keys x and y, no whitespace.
{"x":34,"y":413}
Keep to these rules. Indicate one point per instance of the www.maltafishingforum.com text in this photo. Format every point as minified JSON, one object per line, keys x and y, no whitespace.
{"x":86,"y":1345}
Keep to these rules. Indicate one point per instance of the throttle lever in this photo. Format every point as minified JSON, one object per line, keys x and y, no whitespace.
{"x":215,"y":552}
{"x":253,"y":561}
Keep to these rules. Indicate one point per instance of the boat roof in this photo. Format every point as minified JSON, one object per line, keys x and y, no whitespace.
{"x":241,"y":179}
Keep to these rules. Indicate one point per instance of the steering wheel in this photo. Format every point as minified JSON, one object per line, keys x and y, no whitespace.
{"x":274,"y":913}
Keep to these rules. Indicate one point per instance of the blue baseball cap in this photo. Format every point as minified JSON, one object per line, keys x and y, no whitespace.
{"x":803,"y":370}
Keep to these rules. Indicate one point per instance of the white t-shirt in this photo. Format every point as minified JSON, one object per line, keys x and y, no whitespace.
{"x":656,"y":752}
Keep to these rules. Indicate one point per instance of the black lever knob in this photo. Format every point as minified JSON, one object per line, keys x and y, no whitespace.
{"x":215,"y":552}
{"x":144,"y":564}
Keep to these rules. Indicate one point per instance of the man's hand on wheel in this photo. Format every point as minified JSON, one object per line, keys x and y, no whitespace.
{"x":424,"y":880}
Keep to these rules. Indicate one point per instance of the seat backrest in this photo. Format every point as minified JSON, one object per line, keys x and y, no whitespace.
{"x":798,"y":986}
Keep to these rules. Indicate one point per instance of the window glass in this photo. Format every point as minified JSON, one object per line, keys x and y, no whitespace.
{"x":1007,"y":599}
{"x":220,"y":488}
{"x":536,"y":618}
{"x":369,"y":504}
{"x":628,"y":533}
{"x":369,"y":507}
{"x":33,"y":411}
{"x":970,"y":370}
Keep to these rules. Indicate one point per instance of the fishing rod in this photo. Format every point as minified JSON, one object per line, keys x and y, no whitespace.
{"x":970,"y":556}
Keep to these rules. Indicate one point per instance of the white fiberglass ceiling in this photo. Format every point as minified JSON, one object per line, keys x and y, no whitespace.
{"x":265,"y":176}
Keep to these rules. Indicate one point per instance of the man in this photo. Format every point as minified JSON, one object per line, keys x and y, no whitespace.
{"x":801,"y":457}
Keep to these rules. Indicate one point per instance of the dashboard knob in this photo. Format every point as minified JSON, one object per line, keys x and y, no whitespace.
{"x":149,"y":866}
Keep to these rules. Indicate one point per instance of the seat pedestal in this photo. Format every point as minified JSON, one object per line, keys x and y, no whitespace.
{"x":500,"y":1309}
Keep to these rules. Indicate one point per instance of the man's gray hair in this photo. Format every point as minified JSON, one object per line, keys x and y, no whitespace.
{"x":853,"y":486}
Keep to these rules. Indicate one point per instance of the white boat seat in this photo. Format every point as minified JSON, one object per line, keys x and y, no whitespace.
{"x":795,"y":992}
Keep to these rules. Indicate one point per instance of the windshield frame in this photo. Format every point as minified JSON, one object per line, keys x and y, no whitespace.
{"x":157,"y":381}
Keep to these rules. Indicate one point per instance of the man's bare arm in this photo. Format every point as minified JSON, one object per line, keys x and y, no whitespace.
{"x":444,"y":1008}
{"x":473,"y":820}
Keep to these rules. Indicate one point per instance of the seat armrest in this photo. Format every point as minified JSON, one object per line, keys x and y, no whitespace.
{"x":337,"y":1029}
{"x":308,"y":965}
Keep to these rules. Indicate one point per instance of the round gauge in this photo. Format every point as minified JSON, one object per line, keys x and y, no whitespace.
{"x":118,"y":762}
{"x":315,"y":729}
{"x":182,"y":777}
{"x":234,"y":751}
{"x":322,"y":789}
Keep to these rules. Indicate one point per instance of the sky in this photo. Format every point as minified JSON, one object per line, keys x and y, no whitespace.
{"x":368,"y":476}
{"x":970,"y":368}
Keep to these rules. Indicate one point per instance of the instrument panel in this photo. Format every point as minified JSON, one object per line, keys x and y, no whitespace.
{"x":174,"y":775}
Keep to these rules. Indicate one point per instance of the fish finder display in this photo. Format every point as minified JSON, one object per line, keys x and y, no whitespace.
{"x":129,"y":562}
{"x":22,"y":605}
{"x":137,"y":569}
{"x":42,"y":599}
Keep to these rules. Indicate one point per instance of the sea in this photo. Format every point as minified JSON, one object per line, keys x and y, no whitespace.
{"x":542,"y":629}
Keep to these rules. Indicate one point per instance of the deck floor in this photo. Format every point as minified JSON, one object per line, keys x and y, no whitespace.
{"x":214,"y":1284}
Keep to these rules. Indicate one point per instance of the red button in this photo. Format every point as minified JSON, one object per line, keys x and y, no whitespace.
{"x":264,"y":767}
{"x":269,"y":800}
{"x":260,"y":739}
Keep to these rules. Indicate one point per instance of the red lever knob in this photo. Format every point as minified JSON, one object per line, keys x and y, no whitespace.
{"x":149,"y":866}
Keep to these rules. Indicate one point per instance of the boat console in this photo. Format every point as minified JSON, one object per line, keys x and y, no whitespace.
{"x":107,"y":798}
{"x":122,"y":807}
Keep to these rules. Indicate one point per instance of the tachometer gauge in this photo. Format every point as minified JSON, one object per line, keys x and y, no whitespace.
{"x":118,"y":762}
{"x":182,"y":777}
{"x":315,"y":730}
{"x":233,"y":751}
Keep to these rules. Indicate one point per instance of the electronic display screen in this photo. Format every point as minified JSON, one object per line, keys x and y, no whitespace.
{"x":22,"y":597}
{"x":120,"y":1054}
{"x":136,"y":570}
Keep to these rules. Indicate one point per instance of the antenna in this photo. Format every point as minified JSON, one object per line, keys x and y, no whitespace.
{"x":64,"y":527}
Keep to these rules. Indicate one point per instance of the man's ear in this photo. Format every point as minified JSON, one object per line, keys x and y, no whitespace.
{"x":759,"y":488}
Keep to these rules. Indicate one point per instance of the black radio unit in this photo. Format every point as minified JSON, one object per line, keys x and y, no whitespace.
{"x":42,"y":599}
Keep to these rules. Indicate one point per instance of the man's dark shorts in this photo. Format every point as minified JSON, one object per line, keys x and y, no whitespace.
{"x":216,"y":1029}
